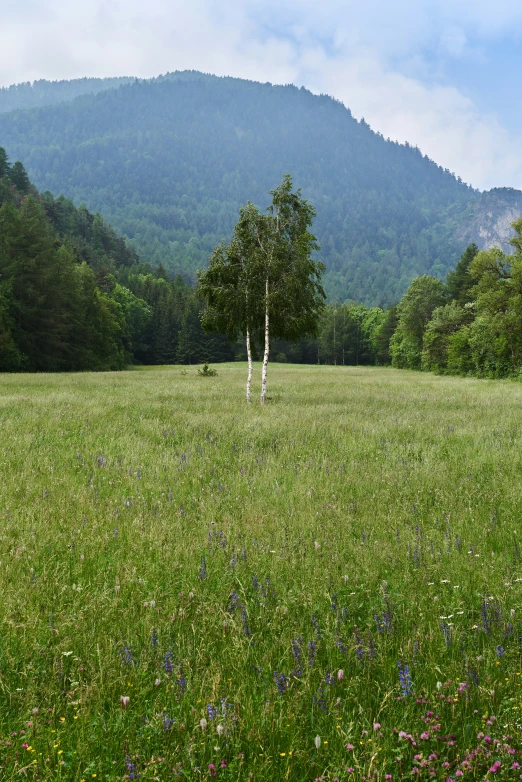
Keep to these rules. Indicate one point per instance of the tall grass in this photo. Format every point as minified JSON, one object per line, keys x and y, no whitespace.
{"x":329,"y":587}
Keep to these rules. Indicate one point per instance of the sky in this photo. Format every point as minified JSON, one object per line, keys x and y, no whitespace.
{"x":443,"y":75}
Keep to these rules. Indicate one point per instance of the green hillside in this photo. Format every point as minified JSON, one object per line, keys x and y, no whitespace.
{"x":169,"y":161}
{"x":28,"y":95}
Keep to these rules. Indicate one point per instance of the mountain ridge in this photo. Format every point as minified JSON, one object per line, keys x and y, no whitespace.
{"x":168,"y":161}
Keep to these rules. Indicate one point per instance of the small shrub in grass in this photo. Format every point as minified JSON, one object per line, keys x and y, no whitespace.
{"x":207,"y":371}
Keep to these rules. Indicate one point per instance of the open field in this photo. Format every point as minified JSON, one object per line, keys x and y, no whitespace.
{"x":217,"y":566}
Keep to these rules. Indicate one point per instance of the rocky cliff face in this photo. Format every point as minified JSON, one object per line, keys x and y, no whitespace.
{"x":487,"y":221}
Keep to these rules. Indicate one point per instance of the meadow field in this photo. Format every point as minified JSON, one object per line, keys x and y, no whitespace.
{"x":329,"y":587}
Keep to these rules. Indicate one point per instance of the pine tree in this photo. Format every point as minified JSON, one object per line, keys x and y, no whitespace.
{"x":19,"y":178}
{"x":5,"y":168}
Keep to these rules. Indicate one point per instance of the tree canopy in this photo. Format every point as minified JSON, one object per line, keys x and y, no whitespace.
{"x":265,"y":281}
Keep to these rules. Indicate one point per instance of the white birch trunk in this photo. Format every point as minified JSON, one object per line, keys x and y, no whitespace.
{"x":250,"y":369}
{"x":267,"y":348}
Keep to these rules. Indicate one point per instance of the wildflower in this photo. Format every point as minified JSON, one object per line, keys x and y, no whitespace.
{"x":157,"y":682}
{"x":495,"y":767}
{"x":167,"y":662}
{"x":244,"y":619}
{"x":131,"y":768}
{"x":376,"y":726}
{"x":296,"y":651}
{"x":317,"y":545}
{"x":181,"y":681}
{"x":203,"y":569}
{"x":317,"y":742}
{"x":203,"y":724}
{"x":124,"y":701}
{"x":211,"y":767}
{"x":126,"y":656}
{"x":405,"y":679}
{"x":282,"y":682}
{"x":340,"y":675}
{"x":359,"y":649}
{"x":220,"y":730}
{"x":349,"y":747}
{"x":350,"y":770}
{"x":447,"y":632}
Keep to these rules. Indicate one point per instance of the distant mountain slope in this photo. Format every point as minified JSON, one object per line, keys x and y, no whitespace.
{"x":169,"y":161}
{"x":29,"y":95}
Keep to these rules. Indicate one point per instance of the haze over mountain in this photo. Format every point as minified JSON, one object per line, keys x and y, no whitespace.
{"x":28,"y":95}
{"x":169,"y":161}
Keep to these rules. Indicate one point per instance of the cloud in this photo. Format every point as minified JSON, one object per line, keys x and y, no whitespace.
{"x":384,"y":60}
{"x":439,"y":119}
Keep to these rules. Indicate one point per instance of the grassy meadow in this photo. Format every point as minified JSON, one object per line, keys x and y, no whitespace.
{"x":329,"y":587}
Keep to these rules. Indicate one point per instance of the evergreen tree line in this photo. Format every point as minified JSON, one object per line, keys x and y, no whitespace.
{"x":74,"y":296}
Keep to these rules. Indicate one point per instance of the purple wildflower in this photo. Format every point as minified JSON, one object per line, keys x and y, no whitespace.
{"x":405,"y":679}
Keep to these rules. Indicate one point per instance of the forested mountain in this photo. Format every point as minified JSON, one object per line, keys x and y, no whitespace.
{"x":28,"y":95}
{"x":168,"y":162}
{"x":73,"y":295}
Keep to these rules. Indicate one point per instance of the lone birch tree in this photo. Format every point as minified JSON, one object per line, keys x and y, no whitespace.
{"x":228,"y":288}
{"x":293,"y":298}
{"x":266,"y":282}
